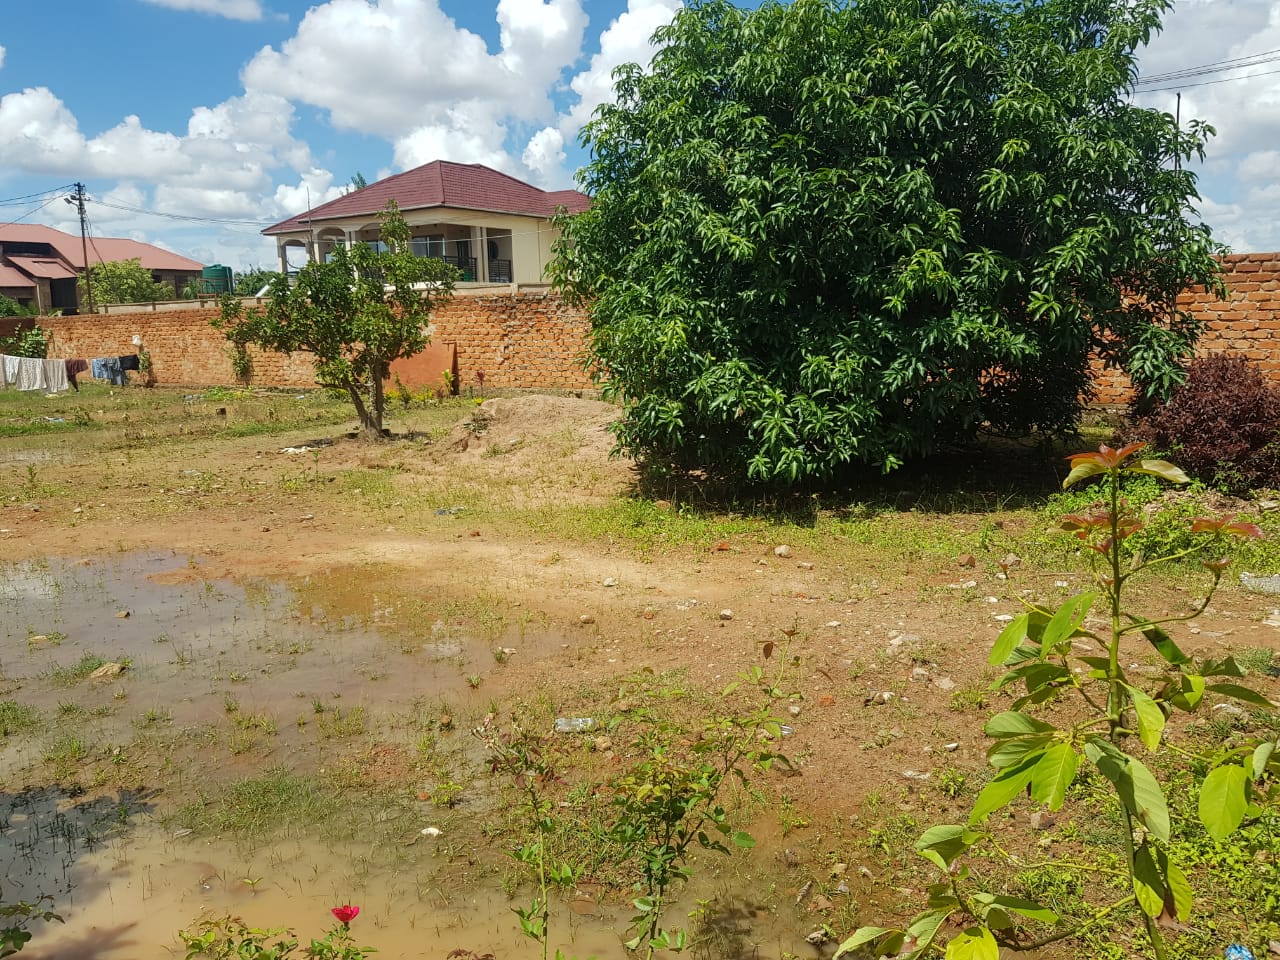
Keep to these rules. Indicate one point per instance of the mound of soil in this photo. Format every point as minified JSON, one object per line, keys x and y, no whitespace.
{"x":508,"y":426}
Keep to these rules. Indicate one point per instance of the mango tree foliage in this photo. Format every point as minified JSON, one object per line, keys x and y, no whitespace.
{"x":355,"y":314}
{"x":123,"y":281}
{"x":828,"y":234}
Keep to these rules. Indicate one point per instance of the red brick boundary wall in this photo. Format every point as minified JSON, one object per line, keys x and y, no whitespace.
{"x":525,"y":339}
{"x":533,"y":339}
{"x":1247,"y":323}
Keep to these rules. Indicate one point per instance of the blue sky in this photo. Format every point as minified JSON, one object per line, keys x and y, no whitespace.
{"x":239,"y":110}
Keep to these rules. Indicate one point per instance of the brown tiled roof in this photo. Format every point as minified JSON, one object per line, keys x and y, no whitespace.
{"x":45,"y":267}
{"x":70,"y":249}
{"x":462,"y":186}
{"x":9,"y":278}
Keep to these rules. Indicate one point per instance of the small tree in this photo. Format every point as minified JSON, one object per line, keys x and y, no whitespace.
{"x":124,"y":281}
{"x":355,"y":314}
{"x":826,"y":233}
{"x":253,"y":279}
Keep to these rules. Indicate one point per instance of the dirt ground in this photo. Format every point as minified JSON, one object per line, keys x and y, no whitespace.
{"x":507,"y":527}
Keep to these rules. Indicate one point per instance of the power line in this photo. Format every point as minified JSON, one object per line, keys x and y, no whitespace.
{"x":30,"y":213}
{"x":1217,"y":66}
{"x":1206,"y":83}
{"x":179,"y":216}
{"x":15,"y":201}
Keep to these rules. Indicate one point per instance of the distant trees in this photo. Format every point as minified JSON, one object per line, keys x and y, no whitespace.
{"x":827,"y":234}
{"x":252,"y":280}
{"x":123,"y":281}
{"x":355,"y":313}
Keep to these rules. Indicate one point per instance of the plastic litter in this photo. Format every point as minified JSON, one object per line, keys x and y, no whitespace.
{"x":1257,"y":584}
{"x":1238,"y":951}
{"x":574,"y":724}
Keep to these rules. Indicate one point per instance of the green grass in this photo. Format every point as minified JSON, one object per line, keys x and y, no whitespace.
{"x":69,"y":676}
{"x":16,"y":718}
{"x":275,"y":802}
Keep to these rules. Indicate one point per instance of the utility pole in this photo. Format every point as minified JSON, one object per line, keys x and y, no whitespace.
{"x":78,"y":199}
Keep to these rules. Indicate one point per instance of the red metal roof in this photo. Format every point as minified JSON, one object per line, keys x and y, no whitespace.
{"x":45,"y":267}
{"x":462,"y":186}
{"x":70,"y":249}
{"x":10,"y":277}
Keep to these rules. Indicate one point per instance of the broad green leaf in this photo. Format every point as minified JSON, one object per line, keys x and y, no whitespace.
{"x":1191,"y":692}
{"x":1066,"y":621}
{"x":1138,"y":789}
{"x":1082,"y":472}
{"x":1148,"y":884}
{"x":743,"y":839}
{"x":1026,"y":908}
{"x":1237,"y":692}
{"x":1164,"y":645}
{"x":1053,"y":775}
{"x":860,"y":937}
{"x":1226,"y":667}
{"x":973,"y":943}
{"x":1261,"y":755}
{"x":1014,"y":724}
{"x":1223,"y":800}
{"x":1159,"y":468}
{"x":1178,"y":886}
{"x":925,"y":929}
{"x":1005,"y":753}
{"x":942,"y":844}
{"x":1151,"y":718}
{"x":1012,"y":635}
{"x":1007,"y":785}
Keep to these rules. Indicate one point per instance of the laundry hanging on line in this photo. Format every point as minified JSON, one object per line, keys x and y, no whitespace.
{"x":54,"y":376}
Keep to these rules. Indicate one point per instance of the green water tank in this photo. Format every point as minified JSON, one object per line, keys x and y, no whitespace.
{"x":216,"y":279}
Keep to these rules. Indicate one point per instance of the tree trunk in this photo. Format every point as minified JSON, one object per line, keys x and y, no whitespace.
{"x":369,"y":429}
{"x":377,"y":395}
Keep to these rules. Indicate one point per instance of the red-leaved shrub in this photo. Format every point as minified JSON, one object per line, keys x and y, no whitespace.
{"x":1222,"y":425}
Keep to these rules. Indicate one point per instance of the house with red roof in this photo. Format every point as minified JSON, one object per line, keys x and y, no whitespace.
{"x":491,"y":226}
{"x":39,"y":266}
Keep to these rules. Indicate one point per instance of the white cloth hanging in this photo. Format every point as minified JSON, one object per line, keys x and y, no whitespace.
{"x":30,"y":374}
{"x":10,"y":376}
{"x":55,"y":376}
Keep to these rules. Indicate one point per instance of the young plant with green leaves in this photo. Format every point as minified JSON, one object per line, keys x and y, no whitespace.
{"x":229,"y":938}
{"x":668,"y":806}
{"x":355,"y":313}
{"x":1115,"y":715}
{"x":530,"y":761}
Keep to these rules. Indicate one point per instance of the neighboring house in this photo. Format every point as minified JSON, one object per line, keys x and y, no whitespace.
{"x":492,"y":227}
{"x":39,"y":266}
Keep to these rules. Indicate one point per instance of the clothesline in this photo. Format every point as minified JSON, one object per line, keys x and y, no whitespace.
{"x":54,"y":376}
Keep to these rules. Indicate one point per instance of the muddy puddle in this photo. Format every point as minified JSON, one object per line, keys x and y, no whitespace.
{"x":117,"y":798}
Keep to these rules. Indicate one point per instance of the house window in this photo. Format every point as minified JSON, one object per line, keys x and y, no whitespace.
{"x":428,"y":246}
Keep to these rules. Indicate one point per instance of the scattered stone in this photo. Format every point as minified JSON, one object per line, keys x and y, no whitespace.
{"x":805,"y":565}
{"x":1230,"y":709}
{"x":108,"y":671}
{"x":919,"y":674}
{"x":266,"y":529}
{"x":722,"y":546}
{"x":1010,"y":561}
{"x":507,"y":652}
{"x":963,"y":585}
{"x":610,"y":581}
{"x":839,"y":869}
{"x":944,"y":683}
{"x":122,"y":614}
{"x":431,"y":831}
{"x":77,"y":510}
{"x":726,"y":614}
{"x":1273,"y":946}
{"x":33,"y":507}
{"x":821,"y":904}
{"x":992,"y":599}
{"x":475,"y":533}
{"x":819,"y":937}
{"x":794,"y":710}
{"x":1042,"y":820}
{"x":184,"y":832}
{"x":307,"y":516}
{"x":1061,"y":584}
{"x":1003,"y":617}
{"x":826,"y":700}
{"x":649,"y":613}
{"x":917,"y":774}
{"x":967,"y":560}
{"x":951,"y":747}
{"x":586,"y":619}
{"x":833,"y":624}
{"x":782,"y":550}
{"x":446,"y":721}
{"x":602,"y":744}
{"x":885,"y":696}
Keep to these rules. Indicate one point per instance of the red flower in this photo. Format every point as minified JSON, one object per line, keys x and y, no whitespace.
{"x":346,"y":913}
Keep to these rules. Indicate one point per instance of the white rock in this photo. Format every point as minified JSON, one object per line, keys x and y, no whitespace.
{"x":432,"y":832}
{"x":726,"y":614}
{"x":782,"y":550}
{"x":610,"y":581}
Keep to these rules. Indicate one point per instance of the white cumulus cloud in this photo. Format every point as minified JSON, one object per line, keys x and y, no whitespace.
{"x":231,"y":9}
